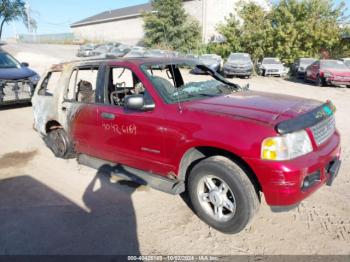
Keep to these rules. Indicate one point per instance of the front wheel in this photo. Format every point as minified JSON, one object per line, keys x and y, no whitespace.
{"x":222,"y":195}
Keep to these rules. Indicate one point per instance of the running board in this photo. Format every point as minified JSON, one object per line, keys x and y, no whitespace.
{"x":160,"y":183}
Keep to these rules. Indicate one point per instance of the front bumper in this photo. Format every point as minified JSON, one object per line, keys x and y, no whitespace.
{"x":338,"y":81}
{"x":282,"y":182}
{"x":16,"y":91}
{"x":273,"y":72}
{"x":238,"y":72}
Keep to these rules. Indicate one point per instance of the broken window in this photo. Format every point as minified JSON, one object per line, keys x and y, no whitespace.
{"x":82,"y":85}
{"x":123,"y":82}
{"x":49,"y":84}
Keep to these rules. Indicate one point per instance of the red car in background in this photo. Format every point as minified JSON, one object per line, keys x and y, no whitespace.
{"x":328,"y":72}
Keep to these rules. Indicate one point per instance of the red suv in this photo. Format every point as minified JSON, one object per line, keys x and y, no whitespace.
{"x":328,"y":72}
{"x":156,"y":123}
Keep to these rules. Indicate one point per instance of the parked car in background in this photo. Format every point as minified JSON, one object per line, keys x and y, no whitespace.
{"x":135,"y":53}
{"x":86,"y":50}
{"x":155,"y":53}
{"x":346,"y":61}
{"x":238,"y":64}
{"x":102,"y":50}
{"x":328,"y":72}
{"x":272,"y":66}
{"x":220,"y":143}
{"x":300,"y":65}
{"x":212,"y":61}
{"x":17,"y":81}
{"x":119,"y":51}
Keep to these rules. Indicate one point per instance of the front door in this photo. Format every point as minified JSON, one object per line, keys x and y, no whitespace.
{"x":132,"y":138}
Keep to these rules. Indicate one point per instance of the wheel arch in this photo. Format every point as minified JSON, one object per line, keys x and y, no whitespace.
{"x":52,"y":125}
{"x":195,"y":154}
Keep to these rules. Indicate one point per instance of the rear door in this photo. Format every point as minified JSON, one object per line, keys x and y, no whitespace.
{"x":80,"y":108}
{"x":43,"y":100}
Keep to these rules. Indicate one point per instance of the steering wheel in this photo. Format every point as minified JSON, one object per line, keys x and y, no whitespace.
{"x":115,"y":99}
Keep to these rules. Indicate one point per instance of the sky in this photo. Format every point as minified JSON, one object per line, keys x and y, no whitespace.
{"x":55,"y":16}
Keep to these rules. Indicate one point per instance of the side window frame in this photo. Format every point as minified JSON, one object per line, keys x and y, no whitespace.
{"x":107,"y":73}
{"x":98,"y":81}
{"x":45,"y":82}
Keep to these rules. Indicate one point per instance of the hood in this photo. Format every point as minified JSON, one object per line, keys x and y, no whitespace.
{"x":16,"y":73}
{"x":273,"y":66}
{"x":258,"y":106}
{"x":338,"y":72}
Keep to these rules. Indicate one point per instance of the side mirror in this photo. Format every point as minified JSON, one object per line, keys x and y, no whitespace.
{"x":137,"y":102}
{"x":25,"y":64}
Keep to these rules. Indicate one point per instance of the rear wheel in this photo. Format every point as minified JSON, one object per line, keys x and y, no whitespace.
{"x":59,"y":143}
{"x":222,"y":194}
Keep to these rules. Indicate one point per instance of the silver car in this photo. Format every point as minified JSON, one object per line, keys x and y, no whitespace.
{"x":272,"y":66}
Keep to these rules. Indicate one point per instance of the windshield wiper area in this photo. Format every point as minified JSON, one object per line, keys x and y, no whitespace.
{"x":219,"y":77}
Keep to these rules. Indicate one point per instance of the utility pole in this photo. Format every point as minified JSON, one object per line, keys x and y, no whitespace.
{"x":204,"y":18}
{"x":27,"y":6}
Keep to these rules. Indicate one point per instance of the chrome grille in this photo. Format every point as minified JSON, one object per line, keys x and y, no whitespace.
{"x":323,"y":130}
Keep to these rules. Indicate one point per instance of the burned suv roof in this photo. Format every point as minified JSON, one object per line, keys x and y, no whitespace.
{"x":134,"y":60}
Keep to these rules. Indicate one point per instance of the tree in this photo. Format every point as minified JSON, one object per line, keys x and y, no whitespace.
{"x":303,"y":28}
{"x":249,"y":31}
{"x":231,"y":30}
{"x":12,"y":10}
{"x":291,"y":29}
{"x":169,"y":26}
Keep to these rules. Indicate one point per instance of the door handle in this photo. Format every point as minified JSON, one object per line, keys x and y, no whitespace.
{"x":64,"y":108}
{"x":108,"y":116}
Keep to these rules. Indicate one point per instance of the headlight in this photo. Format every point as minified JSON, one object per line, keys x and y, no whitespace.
{"x":327,"y":74}
{"x":34,"y":79}
{"x":286,"y":147}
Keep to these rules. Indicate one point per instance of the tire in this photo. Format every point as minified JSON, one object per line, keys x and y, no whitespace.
{"x":59,"y":143}
{"x":348,"y":86}
{"x":319,"y":81}
{"x":230,"y":218}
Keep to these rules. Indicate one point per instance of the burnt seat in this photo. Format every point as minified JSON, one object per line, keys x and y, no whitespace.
{"x":85,"y":92}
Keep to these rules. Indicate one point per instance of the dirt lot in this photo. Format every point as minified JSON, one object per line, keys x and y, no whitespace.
{"x":53,"y":206}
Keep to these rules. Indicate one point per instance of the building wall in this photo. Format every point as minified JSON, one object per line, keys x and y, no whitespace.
{"x":209,"y":13}
{"x":129,"y":31}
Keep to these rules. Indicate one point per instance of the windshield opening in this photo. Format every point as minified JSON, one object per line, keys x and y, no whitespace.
{"x":307,"y":61}
{"x":239,"y":57}
{"x":176,"y":83}
{"x":333,"y":64}
{"x":7,"y":61}
{"x":271,"y":61}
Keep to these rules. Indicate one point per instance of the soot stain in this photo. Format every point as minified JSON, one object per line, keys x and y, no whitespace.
{"x":16,"y":159}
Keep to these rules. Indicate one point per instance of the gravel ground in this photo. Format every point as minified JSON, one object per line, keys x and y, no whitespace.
{"x":54,"y":206}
